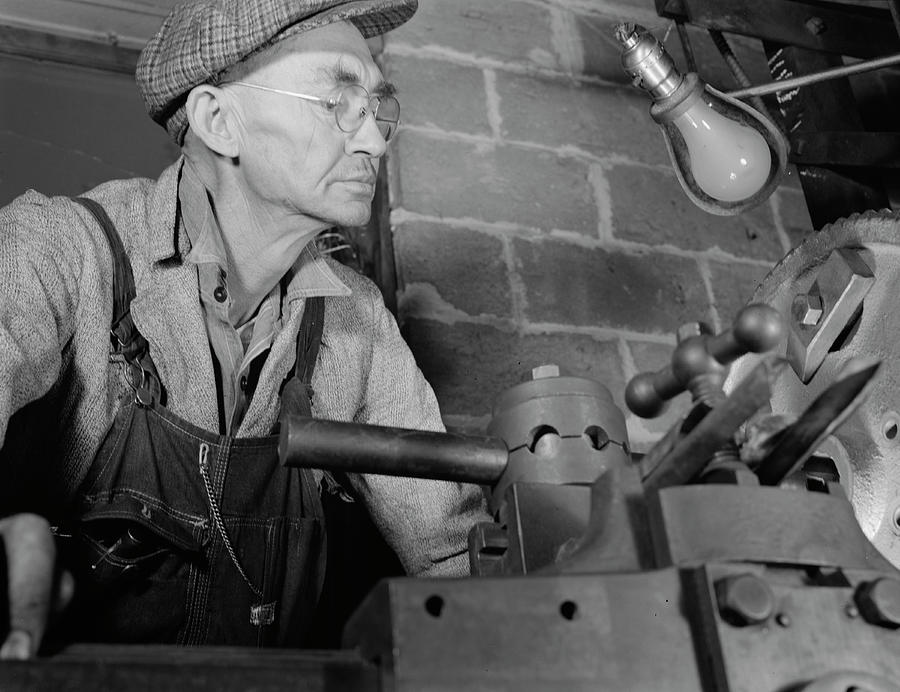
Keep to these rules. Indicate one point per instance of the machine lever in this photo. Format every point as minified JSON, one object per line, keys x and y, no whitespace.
{"x":357,"y":448}
{"x":756,"y":329}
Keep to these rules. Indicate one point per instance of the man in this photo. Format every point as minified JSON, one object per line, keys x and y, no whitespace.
{"x":153,"y":455}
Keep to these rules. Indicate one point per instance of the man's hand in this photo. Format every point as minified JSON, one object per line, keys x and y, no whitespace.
{"x":34,"y":590}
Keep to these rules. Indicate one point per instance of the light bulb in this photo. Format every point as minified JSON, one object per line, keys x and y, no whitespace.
{"x":727,"y":156}
{"x":730,"y":162}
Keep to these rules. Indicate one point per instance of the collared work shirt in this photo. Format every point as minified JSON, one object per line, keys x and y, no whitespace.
{"x":55,"y":308}
{"x":235,"y":349}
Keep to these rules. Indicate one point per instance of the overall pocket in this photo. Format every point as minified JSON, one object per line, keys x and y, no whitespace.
{"x":126,"y":537}
{"x":132,"y":564}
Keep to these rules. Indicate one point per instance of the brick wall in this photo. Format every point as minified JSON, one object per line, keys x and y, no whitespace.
{"x":534,"y":214}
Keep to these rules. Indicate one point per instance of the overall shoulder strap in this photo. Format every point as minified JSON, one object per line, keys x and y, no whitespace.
{"x":124,"y":335}
{"x":296,"y":396}
{"x":309,"y":338}
{"x":123,"y":278}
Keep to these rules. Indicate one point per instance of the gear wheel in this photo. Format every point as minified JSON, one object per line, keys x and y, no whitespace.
{"x":866,"y":449}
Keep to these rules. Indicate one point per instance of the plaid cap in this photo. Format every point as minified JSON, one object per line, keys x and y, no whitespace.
{"x":199,"y":39}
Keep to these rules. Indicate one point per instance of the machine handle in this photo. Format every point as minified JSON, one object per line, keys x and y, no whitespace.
{"x":356,"y":448}
{"x":756,"y":329}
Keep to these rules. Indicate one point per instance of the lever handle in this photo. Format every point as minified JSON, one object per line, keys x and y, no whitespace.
{"x":756,"y":329}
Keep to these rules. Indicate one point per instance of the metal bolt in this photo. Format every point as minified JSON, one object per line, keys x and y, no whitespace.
{"x":807,"y":309}
{"x":816,"y":25}
{"x":543,"y":371}
{"x":689,"y":329}
{"x":879,"y":602}
{"x":744,"y":599}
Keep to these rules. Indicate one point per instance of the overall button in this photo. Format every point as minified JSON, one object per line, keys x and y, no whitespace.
{"x":220,"y":294}
{"x":243,"y":383}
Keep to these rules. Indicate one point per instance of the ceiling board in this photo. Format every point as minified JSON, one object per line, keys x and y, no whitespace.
{"x":127,"y":23}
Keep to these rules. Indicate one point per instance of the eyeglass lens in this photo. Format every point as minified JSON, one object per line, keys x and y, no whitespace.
{"x":354,"y":104}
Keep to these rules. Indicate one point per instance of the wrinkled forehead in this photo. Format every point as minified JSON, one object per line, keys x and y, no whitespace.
{"x":326,"y":57}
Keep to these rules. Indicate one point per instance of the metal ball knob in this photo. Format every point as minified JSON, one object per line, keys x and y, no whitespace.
{"x":641,"y":396}
{"x":758,"y":328}
{"x":691,"y":358}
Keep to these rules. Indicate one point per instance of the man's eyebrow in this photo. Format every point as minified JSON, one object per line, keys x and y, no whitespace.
{"x":385,"y":89}
{"x":342,"y":75}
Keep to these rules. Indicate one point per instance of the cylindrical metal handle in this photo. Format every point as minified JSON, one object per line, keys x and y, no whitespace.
{"x":357,"y":448}
{"x":756,"y":329}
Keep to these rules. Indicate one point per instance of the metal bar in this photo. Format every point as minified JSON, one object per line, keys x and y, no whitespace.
{"x":836,"y":191}
{"x":827,"y":413}
{"x":356,"y":448}
{"x":824,"y":75}
{"x":855,"y":31}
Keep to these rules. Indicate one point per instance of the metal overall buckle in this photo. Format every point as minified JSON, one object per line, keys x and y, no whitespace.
{"x":143,"y":396}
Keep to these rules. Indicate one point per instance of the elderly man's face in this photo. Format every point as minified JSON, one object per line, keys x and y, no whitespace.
{"x":294,"y":156}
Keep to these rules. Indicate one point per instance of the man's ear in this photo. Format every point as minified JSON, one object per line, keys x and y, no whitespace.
{"x":208,"y":113}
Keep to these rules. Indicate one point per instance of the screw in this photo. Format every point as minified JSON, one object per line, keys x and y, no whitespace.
{"x":543,"y":371}
{"x":807,"y":309}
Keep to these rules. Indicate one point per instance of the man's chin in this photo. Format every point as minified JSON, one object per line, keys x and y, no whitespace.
{"x":353,"y":214}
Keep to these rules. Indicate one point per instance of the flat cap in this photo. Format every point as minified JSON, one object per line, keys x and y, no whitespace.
{"x":200,"y":39}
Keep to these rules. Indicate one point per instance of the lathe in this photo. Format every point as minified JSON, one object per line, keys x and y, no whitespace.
{"x":747,"y":550}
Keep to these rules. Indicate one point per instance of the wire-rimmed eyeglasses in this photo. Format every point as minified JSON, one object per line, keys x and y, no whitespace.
{"x":350,"y":106}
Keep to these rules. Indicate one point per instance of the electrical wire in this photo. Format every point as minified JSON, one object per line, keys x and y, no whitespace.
{"x":688,"y":48}
{"x":738,"y":71}
{"x":813,"y":78}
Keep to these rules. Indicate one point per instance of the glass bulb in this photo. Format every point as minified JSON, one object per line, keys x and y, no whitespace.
{"x":729,"y":161}
{"x":727,"y":156}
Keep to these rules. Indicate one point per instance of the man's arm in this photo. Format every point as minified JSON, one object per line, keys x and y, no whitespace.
{"x":425,"y":522}
{"x":36,"y":320}
{"x":37,"y":302}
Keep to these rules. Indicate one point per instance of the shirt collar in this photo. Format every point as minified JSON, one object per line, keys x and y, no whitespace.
{"x":199,"y":222}
{"x":309,"y":276}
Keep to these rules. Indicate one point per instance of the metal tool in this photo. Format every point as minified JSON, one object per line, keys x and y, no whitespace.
{"x":830,"y":409}
{"x":682,"y":459}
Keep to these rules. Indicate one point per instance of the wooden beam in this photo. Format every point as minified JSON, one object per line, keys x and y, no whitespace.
{"x":70,"y":51}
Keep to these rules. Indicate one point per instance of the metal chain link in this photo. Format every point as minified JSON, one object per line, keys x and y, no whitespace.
{"x":217,"y":518}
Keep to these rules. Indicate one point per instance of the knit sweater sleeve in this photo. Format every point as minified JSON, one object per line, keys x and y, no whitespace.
{"x":38,"y":301}
{"x":426,"y":522}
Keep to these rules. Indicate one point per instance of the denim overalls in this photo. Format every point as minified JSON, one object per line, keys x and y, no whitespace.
{"x":180,"y":535}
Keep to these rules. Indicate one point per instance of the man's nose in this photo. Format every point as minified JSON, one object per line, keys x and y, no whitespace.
{"x":367,"y":139}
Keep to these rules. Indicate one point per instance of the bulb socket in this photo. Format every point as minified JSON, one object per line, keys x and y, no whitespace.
{"x":646,"y":62}
{"x":685,"y":95}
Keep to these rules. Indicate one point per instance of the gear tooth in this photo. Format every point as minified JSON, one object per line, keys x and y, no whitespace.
{"x":869,"y":215}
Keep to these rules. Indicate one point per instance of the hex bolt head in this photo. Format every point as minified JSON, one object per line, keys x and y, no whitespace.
{"x":879,"y":602}
{"x":816,"y":25}
{"x":807,"y":309}
{"x":744,"y":599}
